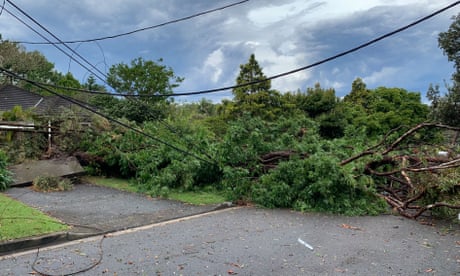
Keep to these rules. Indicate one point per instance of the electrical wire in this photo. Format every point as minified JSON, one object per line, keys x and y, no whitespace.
{"x":93,"y":265}
{"x":55,"y":37}
{"x":3,"y":7}
{"x":221,"y":89}
{"x":141,"y":29}
{"x":84,"y":106}
{"x":373,"y":41}
{"x":341,"y":54}
{"x":82,"y":58}
{"x":104,"y":61}
{"x":54,"y":44}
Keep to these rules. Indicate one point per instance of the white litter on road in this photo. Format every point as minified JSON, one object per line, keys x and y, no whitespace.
{"x":304,"y":243}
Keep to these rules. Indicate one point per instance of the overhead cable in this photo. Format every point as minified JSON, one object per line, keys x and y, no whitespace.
{"x":141,"y":29}
{"x":55,"y":37}
{"x":221,"y":89}
{"x":54,"y":44}
{"x":3,"y":6}
{"x":103,"y":79}
{"x":344,"y":53}
{"x":84,"y":106}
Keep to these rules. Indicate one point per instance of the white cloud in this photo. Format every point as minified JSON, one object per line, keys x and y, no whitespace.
{"x":214,"y":64}
{"x":273,"y":63}
{"x":381,"y":77}
{"x":283,"y":34}
{"x":271,"y":14}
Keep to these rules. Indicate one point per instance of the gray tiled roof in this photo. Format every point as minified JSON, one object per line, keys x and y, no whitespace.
{"x":11,"y":96}
{"x":52,"y":105}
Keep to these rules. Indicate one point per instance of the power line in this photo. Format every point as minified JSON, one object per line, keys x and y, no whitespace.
{"x":141,"y":29}
{"x":3,"y":7}
{"x":341,"y":54}
{"x":221,"y":89}
{"x":86,"y":61}
{"x":55,"y":37}
{"x":54,"y":44}
{"x":84,"y":106}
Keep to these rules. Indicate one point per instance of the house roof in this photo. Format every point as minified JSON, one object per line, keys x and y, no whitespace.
{"x":52,"y":105}
{"x":11,"y":96}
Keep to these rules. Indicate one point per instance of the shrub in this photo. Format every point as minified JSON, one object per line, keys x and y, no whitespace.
{"x":5,"y":175}
{"x":318,"y":183}
{"x":51,"y":184}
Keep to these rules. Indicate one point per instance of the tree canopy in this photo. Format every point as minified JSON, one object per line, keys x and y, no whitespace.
{"x":250,"y":72}
{"x":31,"y":65}
{"x":446,"y":108}
{"x":308,"y":150}
{"x":143,"y":77}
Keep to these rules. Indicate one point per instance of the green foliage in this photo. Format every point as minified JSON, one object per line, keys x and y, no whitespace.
{"x":109,"y":147}
{"x":68,"y":80}
{"x":249,"y":137}
{"x":442,"y":186}
{"x":71,"y":131}
{"x":446,"y":108}
{"x":450,"y":44}
{"x":317,"y":183}
{"x":250,"y":72}
{"x":143,"y":77}
{"x":21,"y":145}
{"x":31,"y":65}
{"x":332,"y":125}
{"x":317,"y":100}
{"x":5,"y":175}
{"x":257,"y":99}
{"x":359,"y":94}
{"x":46,"y":183}
{"x":156,"y":167}
{"x":130,"y":109}
{"x":237,"y":183}
{"x":312,"y":179}
{"x":16,"y":114}
{"x":382,"y":109}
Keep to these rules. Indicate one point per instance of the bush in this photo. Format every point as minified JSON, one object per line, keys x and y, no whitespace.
{"x":318,"y":183}
{"x":51,"y":184}
{"x":5,"y":175}
{"x":21,"y":145}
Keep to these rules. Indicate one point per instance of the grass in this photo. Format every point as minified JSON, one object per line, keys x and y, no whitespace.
{"x":196,"y":198}
{"x":115,"y":183}
{"x":18,"y":220}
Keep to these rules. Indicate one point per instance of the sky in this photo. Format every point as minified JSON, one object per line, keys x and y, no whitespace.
{"x":284,"y":35}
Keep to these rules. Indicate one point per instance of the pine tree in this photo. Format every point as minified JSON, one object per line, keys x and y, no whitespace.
{"x":250,"y":72}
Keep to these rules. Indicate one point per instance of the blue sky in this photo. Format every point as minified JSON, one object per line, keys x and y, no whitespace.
{"x":283,"y":35}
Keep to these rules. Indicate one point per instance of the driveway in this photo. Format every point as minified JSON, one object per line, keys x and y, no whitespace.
{"x":96,"y":209}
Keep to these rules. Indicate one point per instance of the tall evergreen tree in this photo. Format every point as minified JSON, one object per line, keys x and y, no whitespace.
{"x":250,"y":72}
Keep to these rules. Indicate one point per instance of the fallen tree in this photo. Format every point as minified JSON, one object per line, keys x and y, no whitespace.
{"x":411,"y":173}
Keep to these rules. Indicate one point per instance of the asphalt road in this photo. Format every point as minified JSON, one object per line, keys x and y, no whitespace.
{"x":251,"y":241}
